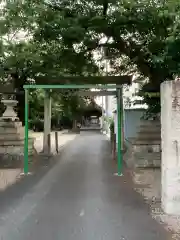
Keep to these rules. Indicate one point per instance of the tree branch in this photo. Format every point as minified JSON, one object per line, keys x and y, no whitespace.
{"x":105,"y":7}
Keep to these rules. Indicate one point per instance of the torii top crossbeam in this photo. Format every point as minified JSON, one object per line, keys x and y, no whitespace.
{"x":73,"y":80}
{"x":120,"y":80}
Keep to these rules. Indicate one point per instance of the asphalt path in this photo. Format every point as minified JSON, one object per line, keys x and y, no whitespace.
{"x":80,"y":198}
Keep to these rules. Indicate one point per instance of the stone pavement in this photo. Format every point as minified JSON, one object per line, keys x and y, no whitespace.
{"x":80,"y":198}
{"x":10,"y":176}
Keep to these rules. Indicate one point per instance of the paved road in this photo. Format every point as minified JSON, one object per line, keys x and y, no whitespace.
{"x":9,"y":176}
{"x":81,"y":199}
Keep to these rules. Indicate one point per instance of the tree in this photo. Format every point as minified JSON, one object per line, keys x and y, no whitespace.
{"x":144,"y":33}
{"x":25,"y":59}
{"x":139,"y":30}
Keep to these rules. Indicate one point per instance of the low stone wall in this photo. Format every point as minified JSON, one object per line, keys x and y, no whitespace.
{"x":143,"y":156}
{"x":145,"y":150}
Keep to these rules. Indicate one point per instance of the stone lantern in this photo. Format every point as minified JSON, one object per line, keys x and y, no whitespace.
{"x":11,"y":130}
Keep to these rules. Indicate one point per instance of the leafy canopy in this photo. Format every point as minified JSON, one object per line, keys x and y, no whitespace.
{"x":140,"y":37}
{"x":145,"y":32}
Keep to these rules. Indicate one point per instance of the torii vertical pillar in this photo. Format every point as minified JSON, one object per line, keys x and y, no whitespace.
{"x":170,"y":136}
{"x":47,"y":123}
{"x":102,"y":117}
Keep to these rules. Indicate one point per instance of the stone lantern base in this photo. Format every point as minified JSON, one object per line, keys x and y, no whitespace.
{"x":12,"y":135}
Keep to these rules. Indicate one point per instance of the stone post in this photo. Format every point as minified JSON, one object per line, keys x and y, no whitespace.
{"x":47,"y":123}
{"x":107,"y":114}
{"x":102,"y":118}
{"x":170,"y":135}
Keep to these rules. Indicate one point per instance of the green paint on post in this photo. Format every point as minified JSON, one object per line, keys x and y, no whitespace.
{"x":122,"y":120}
{"x":119,"y":133}
{"x":26,"y":167}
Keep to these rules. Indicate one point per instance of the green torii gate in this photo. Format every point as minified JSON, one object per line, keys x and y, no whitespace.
{"x":97,"y":82}
{"x":107,"y":82}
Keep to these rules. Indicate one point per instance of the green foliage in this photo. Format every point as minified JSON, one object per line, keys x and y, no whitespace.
{"x":140,"y":37}
{"x":144,"y":31}
{"x":36,"y":104}
{"x":36,"y":124}
{"x":107,"y":119}
{"x":64,"y":106}
{"x":111,"y":127}
{"x":27,"y":58}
